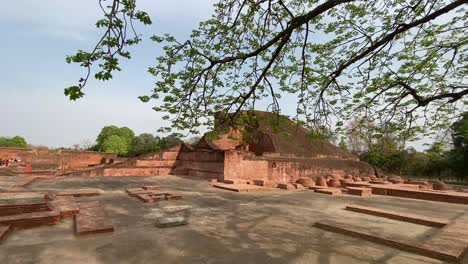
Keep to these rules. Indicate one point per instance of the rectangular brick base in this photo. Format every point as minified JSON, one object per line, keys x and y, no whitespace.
{"x":410,"y":218}
{"x":240,"y":187}
{"x":359,"y":191}
{"x":449,"y":244}
{"x":92,"y":219}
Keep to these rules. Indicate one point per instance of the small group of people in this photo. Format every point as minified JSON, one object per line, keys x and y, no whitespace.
{"x":8,"y":162}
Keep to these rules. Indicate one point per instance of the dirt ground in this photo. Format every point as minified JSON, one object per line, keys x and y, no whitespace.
{"x":225,"y":227}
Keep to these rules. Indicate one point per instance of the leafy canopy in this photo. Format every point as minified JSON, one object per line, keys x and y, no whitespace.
{"x":107,"y":139}
{"x":14,"y":142}
{"x":399,"y":61}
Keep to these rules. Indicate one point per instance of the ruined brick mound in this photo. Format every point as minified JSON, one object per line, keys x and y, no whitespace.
{"x":321,"y":182}
{"x":357,"y":179}
{"x":395,"y":180}
{"x":334,"y":183}
{"x":440,"y":186}
{"x":306,"y":182}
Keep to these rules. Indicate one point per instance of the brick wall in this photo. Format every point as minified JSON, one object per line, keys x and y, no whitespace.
{"x":246,"y":166}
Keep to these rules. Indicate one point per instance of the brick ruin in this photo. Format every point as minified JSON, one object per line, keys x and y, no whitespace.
{"x":257,"y":150}
{"x":45,"y":161}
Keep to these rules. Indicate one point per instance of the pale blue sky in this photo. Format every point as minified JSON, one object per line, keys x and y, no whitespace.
{"x":36,"y":37}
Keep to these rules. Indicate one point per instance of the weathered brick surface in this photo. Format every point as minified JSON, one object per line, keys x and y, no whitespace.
{"x":329,"y":191}
{"x":447,"y":197}
{"x":156,"y":197}
{"x":359,"y":191}
{"x":66,"y":205}
{"x":22,"y":208}
{"x":240,"y":187}
{"x":29,"y":220}
{"x":286,"y":186}
{"x":434,"y":248}
{"x":357,"y":184}
{"x":92,"y":219}
{"x":405,"y":217}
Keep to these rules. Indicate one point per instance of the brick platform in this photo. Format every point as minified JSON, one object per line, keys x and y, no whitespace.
{"x":364,"y":192}
{"x":438,"y":196}
{"x":92,"y":219}
{"x":80,"y":192}
{"x":22,"y":208}
{"x":357,"y":184}
{"x":410,"y":218}
{"x":451,"y":241}
{"x":329,"y":191}
{"x":240,"y":187}
{"x":29,"y":220}
{"x":4,"y":230}
{"x":66,"y":205}
{"x":440,"y":246}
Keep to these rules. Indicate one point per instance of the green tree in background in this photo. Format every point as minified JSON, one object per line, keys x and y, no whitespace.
{"x":115,"y":144}
{"x":458,"y":156}
{"x":144,"y":143}
{"x":14,"y":142}
{"x":123,"y":145}
{"x":171,"y":140}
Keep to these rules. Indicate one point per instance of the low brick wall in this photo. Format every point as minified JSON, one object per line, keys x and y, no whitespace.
{"x":246,"y":166}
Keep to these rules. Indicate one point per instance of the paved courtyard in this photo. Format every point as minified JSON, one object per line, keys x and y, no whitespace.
{"x":224,"y":227}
